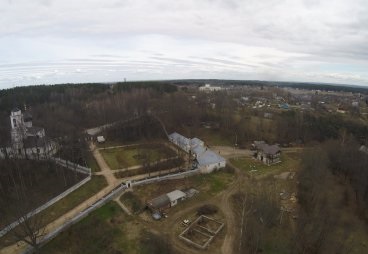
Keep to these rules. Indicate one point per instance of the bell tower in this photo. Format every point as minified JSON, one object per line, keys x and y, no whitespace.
{"x":17,"y":129}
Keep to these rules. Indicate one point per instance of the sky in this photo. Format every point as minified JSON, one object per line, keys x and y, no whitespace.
{"x":59,"y":41}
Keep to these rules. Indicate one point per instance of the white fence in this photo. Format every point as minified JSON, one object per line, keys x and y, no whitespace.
{"x":64,"y":163}
{"x":72,"y":166}
{"x":44,"y":206}
{"x":78,"y":217}
{"x":166,"y":177}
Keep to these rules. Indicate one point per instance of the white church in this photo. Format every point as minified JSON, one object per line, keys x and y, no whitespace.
{"x":27,"y":141}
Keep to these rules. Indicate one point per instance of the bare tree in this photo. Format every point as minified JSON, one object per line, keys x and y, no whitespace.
{"x":24,"y":224}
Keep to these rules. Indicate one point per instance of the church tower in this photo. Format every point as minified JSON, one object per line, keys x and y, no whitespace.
{"x":17,"y":129}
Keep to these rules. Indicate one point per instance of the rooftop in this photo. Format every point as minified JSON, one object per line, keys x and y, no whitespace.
{"x":209,"y":157}
{"x":159,"y":202}
{"x":268,"y":149}
{"x":179,"y":138}
{"x":175,"y":195}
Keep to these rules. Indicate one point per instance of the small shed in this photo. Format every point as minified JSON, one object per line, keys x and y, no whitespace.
{"x":176,"y":196}
{"x":100,"y":139}
{"x":160,"y":203}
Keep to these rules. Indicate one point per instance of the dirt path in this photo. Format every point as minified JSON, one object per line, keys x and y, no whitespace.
{"x":105,"y":169}
{"x":125,"y":209}
{"x":226,"y":206}
{"x":231,"y":152}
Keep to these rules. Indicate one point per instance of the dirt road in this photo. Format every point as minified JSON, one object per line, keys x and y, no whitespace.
{"x":231,"y":152}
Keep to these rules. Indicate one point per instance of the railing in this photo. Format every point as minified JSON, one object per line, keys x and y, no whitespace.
{"x":71,"y":165}
{"x":166,"y":177}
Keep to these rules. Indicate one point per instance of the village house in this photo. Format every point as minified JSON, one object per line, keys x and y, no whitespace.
{"x":209,"y":88}
{"x":204,"y":159}
{"x":180,"y":141}
{"x":268,"y":154}
{"x":27,"y":141}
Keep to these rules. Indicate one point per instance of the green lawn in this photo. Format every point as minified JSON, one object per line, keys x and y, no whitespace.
{"x":124,"y":157}
{"x":215,"y":138}
{"x":212,"y":183}
{"x":289,"y":162}
{"x":134,"y":204}
{"x":73,"y":199}
{"x":100,"y":232}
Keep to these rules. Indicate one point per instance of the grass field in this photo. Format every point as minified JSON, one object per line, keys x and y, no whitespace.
{"x":289,"y":162}
{"x":133,"y":203}
{"x":124,"y":157}
{"x":109,"y":231}
{"x":215,"y":138}
{"x":92,"y":163}
{"x":100,"y":232}
{"x":64,"y":205}
{"x":96,"y":184}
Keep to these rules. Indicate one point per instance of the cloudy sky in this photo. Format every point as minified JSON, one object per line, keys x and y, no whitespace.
{"x":55,"y":41}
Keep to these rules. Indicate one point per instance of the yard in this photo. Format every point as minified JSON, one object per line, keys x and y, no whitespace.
{"x":83,"y":238}
{"x":215,"y":137}
{"x":289,"y":162}
{"x":208,"y":185}
{"x":133,"y":203}
{"x":123,"y":157}
{"x":117,"y":233}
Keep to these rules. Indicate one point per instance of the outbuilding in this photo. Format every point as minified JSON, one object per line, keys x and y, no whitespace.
{"x":159,"y":204}
{"x":101,"y":139}
{"x":176,"y":196}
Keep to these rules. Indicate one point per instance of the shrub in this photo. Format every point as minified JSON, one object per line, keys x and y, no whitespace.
{"x":207,"y":210}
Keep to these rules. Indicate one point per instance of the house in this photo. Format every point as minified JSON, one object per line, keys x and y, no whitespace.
{"x":268,"y":154}
{"x":210,"y":161}
{"x":196,"y":142}
{"x":205,"y":159}
{"x":166,"y":201}
{"x":284,"y":106}
{"x":209,"y":88}
{"x":27,"y":141}
{"x":181,"y":141}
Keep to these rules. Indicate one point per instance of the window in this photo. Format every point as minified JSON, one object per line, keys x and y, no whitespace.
{"x":38,"y":150}
{"x":14,"y":122}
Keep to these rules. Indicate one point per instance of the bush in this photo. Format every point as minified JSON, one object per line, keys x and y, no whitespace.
{"x":207,"y":210}
{"x":229,"y":169}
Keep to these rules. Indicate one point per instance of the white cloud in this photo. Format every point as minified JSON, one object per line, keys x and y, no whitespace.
{"x":147,"y":39}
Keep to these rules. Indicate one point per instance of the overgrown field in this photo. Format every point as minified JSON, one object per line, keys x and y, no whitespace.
{"x":118,"y":158}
